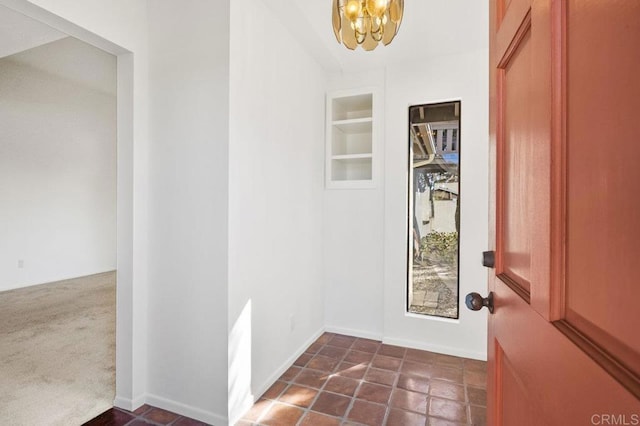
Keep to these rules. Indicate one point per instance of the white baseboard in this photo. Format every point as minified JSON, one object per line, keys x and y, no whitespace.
{"x":186,"y":410}
{"x":259,"y":390}
{"x":245,"y":405}
{"x":425,"y":346}
{"x":51,"y":281}
{"x":218,"y":420}
{"x":128,"y":403}
{"x":169,"y":405}
{"x":355,"y":333}
{"x":124,"y":403}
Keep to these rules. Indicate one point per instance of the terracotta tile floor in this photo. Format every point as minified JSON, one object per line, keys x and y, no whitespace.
{"x":343,"y":380}
{"x":143,"y":416}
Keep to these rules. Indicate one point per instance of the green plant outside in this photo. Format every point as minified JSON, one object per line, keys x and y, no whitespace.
{"x":440,"y":247}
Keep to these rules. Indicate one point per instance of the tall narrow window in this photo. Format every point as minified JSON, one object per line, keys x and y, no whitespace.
{"x":434,"y":209}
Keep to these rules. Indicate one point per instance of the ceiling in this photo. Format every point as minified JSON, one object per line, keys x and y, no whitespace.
{"x":19,"y":33}
{"x":31,"y":43}
{"x":429,"y":28}
{"x":73,"y":60}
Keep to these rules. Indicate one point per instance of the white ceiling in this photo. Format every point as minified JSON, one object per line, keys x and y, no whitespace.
{"x":73,"y":60}
{"x":429,"y":28}
{"x":18,"y":32}
{"x":31,"y":43}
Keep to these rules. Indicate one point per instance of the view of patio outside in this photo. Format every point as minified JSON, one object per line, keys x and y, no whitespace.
{"x":435,"y":276}
{"x":435,"y":208}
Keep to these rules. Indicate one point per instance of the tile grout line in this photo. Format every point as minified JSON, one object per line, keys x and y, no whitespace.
{"x":289,"y":383}
{"x":431,"y":362}
{"x":356,"y":390}
{"x":391,"y":395}
{"x":352,"y":398}
{"x":427,"y":395}
{"x":292,"y":382}
{"x":466,"y":393}
{"x":149,"y":421}
{"x":392,"y":386}
{"x":329,"y":374}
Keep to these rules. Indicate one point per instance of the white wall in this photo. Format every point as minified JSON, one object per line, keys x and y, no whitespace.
{"x":353,"y":238}
{"x":365,"y":238}
{"x":463,"y":77}
{"x":188,"y":186}
{"x":196,"y":318}
{"x":275,"y":200}
{"x":57,"y":167}
{"x":236,"y":188}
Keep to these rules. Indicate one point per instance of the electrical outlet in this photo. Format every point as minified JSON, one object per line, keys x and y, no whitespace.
{"x":20,"y":264}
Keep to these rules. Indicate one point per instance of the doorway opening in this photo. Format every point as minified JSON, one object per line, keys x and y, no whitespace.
{"x":59,"y":143}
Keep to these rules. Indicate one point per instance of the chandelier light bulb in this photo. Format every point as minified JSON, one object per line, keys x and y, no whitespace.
{"x":377,"y":8}
{"x":352,"y":10}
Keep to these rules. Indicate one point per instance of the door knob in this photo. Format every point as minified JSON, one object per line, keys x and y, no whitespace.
{"x":489,"y":259}
{"x":475,"y":302}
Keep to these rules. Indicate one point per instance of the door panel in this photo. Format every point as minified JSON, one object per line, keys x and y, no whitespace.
{"x":561,"y":383}
{"x":523,"y":125}
{"x":603,"y":176}
{"x":516,"y":165}
{"x":565,"y":211}
{"x":510,"y":19}
{"x":513,"y":393}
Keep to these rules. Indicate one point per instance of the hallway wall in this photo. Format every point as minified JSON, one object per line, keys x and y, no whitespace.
{"x":188,"y":193}
{"x":365,"y":239}
{"x":276,"y":293}
{"x":464,"y":77}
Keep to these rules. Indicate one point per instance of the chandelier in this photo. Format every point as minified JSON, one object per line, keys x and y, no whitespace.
{"x":366,"y":22}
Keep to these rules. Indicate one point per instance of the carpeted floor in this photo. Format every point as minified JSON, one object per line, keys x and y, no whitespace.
{"x":57,"y":351}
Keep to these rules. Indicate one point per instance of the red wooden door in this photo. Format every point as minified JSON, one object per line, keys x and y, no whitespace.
{"x":564,"y":339}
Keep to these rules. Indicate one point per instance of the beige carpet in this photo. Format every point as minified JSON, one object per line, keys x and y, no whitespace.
{"x":57,"y":351}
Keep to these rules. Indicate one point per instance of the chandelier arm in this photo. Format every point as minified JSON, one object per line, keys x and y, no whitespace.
{"x":377,"y":35}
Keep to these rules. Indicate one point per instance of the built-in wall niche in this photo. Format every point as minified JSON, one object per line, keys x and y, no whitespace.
{"x":351,"y":139}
